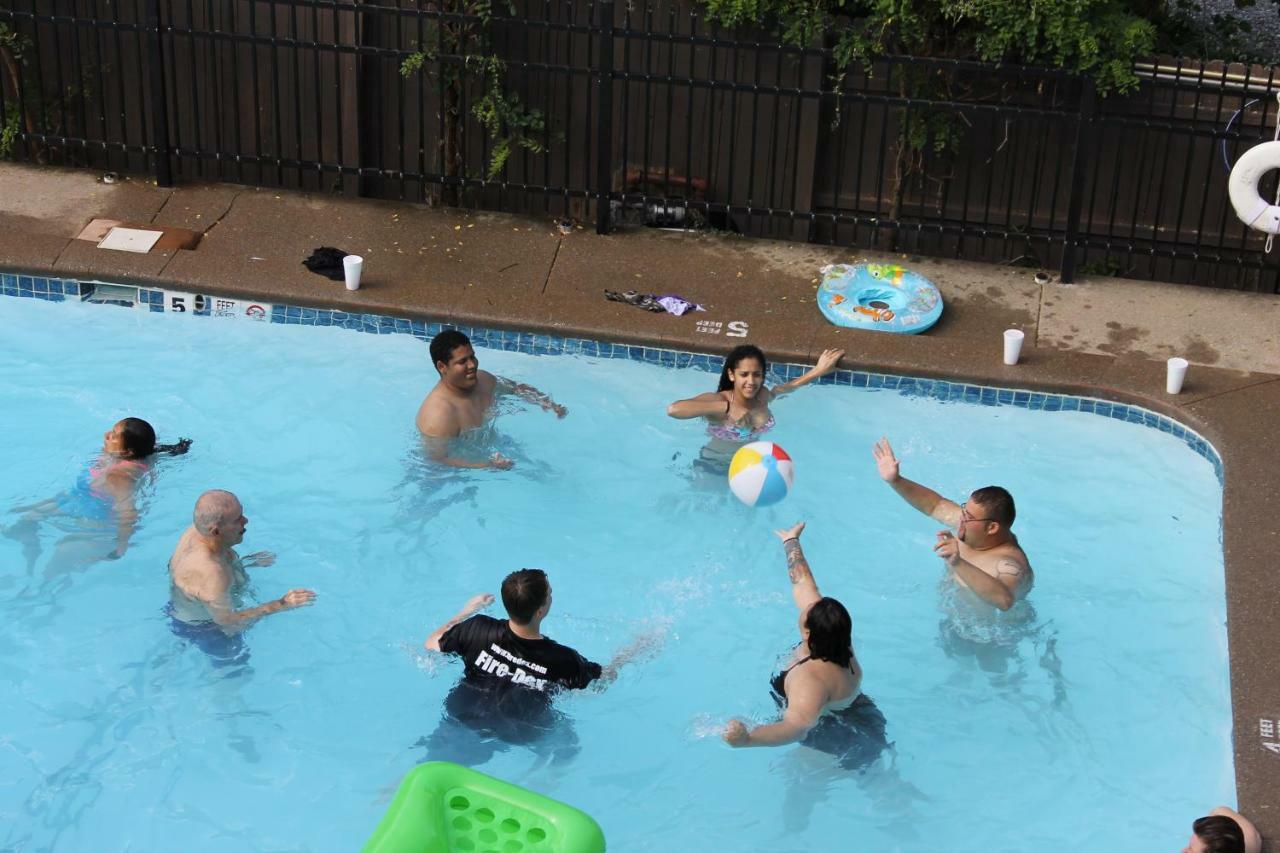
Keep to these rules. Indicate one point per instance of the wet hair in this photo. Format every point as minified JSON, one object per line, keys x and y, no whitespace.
{"x":997,"y":504}
{"x":735,"y":357}
{"x":523,"y":592}
{"x":140,"y":440}
{"x":213,"y":508}
{"x":443,"y":345}
{"x":1220,"y":834}
{"x":830,"y":632}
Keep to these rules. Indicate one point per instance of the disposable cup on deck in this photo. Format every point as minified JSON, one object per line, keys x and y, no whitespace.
{"x":1012,"y":345}
{"x":351,"y":267}
{"x":1176,"y":375}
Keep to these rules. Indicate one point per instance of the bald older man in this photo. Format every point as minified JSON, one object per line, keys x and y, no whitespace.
{"x":208,"y":576}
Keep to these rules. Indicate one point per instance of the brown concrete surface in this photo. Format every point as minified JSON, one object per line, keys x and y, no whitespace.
{"x":513,"y":272}
{"x":1150,"y":320}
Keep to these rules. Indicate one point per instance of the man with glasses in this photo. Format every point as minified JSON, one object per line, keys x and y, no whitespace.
{"x":983,"y":553}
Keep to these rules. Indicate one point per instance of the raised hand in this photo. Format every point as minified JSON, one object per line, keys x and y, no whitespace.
{"x":297,"y":598}
{"x":829,"y":359}
{"x":791,"y":532}
{"x":478,"y":602}
{"x":886,"y":463}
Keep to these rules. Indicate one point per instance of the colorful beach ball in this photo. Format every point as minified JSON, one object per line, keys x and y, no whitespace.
{"x":761,"y":473}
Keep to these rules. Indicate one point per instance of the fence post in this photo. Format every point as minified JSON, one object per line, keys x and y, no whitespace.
{"x":1083,"y":142}
{"x":604,"y":118}
{"x":159,"y":98}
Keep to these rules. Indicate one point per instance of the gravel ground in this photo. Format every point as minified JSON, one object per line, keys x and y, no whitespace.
{"x":1265,"y":18}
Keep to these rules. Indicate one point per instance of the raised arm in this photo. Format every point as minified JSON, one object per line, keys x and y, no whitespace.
{"x":504,"y":387}
{"x":803,"y":587}
{"x":923,"y":498}
{"x":826,"y":363}
{"x":709,"y":405}
{"x":473,"y":606}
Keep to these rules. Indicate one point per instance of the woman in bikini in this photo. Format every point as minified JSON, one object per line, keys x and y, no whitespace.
{"x":820,"y":690}
{"x":101,"y":506}
{"x":737,"y":412}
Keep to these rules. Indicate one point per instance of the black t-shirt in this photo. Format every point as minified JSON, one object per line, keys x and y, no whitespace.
{"x":495,"y":658}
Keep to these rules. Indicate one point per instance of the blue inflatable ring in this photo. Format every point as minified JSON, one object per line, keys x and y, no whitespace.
{"x":883,"y":297}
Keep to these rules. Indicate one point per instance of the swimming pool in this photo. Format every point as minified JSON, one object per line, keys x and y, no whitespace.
{"x":1104,"y":716}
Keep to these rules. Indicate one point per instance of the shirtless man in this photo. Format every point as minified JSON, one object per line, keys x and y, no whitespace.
{"x":983,"y":553}
{"x":208,"y":575}
{"x":463,"y":397}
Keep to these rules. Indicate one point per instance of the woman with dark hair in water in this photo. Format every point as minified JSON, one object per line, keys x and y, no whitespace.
{"x":738,"y":412}
{"x":103,"y":497}
{"x":820,"y":691}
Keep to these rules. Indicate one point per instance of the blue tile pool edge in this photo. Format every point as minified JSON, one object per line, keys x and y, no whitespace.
{"x":153,"y":300}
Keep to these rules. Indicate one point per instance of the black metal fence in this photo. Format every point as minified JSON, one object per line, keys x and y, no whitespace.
{"x":645,"y":113}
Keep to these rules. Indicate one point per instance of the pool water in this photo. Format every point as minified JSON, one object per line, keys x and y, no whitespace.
{"x":1096,"y":717}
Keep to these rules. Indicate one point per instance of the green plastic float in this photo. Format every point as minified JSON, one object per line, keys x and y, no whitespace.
{"x":446,"y":808}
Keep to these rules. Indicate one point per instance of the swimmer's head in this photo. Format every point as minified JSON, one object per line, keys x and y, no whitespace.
{"x":829,"y":632}
{"x":527,"y":595}
{"x":134,"y":438}
{"x":454,"y":358}
{"x":219,"y":516}
{"x":744,"y":368}
{"x":131,"y":438}
{"x":1215,"y":834}
{"x":987,"y":515}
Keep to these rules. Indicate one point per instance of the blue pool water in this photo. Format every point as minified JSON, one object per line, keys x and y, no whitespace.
{"x":1099,"y":720}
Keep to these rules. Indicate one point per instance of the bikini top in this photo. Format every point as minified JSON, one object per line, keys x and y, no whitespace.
{"x":103,"y":467}
{"x":778,"y":684}
{"x":738,"y":433}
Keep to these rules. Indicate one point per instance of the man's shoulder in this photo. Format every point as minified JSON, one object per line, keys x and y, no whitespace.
{"x":555,"y":649}
{"x":1013,"y":552}
{"x":478,"y":629}
{"x":194,"y":568}
{"x":437,"y":416}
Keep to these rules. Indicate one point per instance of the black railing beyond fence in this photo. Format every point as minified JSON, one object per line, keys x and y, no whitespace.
{"x":646,"y":114}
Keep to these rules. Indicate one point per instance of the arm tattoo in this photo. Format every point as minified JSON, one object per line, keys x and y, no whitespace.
{"x":797,"y":566}
{"x":1008,"y":567}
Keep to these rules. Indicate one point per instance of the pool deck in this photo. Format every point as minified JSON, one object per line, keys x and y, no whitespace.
{"x":1102,"y":337}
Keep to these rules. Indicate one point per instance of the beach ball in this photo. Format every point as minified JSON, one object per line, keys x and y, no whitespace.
{"x":761,"y":473}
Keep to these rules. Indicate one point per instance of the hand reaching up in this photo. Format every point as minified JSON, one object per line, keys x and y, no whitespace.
{"x":886,"y":463}
{"x":791,"y":532}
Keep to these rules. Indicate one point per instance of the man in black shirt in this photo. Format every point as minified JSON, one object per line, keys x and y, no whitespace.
{"x":500,"y":655}
{"x":511,"y":674}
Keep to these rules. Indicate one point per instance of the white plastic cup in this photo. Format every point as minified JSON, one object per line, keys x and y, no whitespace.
{"x":351,"y":267}
{"x":1176,"y":375}
{"x":1012,"y":345}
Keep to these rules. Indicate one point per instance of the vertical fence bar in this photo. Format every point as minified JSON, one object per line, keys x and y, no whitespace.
{"x":604,"y":118}
{"x":1084,"y":134}
{"x":159,"y":99}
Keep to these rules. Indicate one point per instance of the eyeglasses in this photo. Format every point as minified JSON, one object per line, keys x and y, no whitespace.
{"x":965,"y":517}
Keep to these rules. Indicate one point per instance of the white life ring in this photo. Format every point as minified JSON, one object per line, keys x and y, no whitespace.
{"x":1253,"y":209}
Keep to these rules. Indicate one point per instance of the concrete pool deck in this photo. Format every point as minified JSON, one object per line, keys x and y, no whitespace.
{"x":1103,"y":337}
